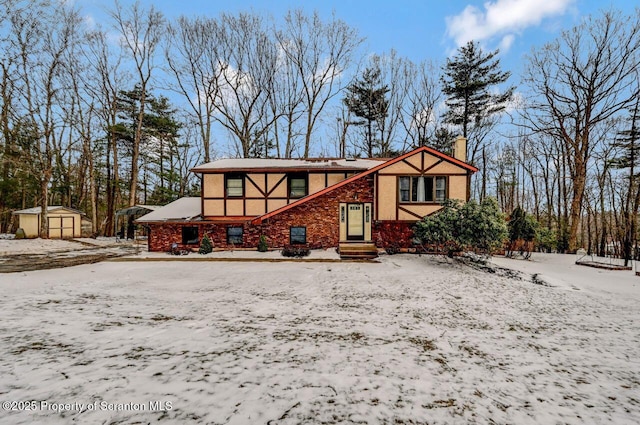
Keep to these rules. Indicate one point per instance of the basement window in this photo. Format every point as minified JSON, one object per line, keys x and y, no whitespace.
{"x":234,"y":235}
{"x":190,"y":235}
{"x":298,"y":235}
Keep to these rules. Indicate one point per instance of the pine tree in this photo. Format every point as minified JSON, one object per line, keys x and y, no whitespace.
{"x":467,"y":81}
{"x":522,"y":230}
{"x":206,"y":246}
{"x":262,"y":244}
{"x":367,"y":99}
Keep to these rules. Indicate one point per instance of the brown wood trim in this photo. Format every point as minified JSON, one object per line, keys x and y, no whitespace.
{"x":376,"y":188}
{"x":422,"y":162}
{"x":433,"y":165}
{"x":201,"y":199}
{"x":417,"y":175}
{"x":419,"y":217}
{"x":278,"y":170}
{"x":412,"y":166}
{"x":397,"y":196}
{"x":256,"y":185}
{"x":397,"y":221}
{"x":250,"y":198}
{"x":423,"y":204}
{"x":275,"y":186}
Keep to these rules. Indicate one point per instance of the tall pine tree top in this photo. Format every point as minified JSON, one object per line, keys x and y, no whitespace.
{"x":466,"y":82}
{"x":366,"y":98}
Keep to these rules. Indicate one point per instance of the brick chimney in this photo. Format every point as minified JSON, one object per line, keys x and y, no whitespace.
{"x":460,"y":149}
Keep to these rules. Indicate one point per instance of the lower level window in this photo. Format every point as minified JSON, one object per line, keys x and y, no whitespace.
{"x":298,"y":235}
{"x":190,"y":235}
{"x":234,"y":235}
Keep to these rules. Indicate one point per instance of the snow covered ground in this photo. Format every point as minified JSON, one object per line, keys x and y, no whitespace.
{"x":408,"y":340}
{"x":9,"y":245}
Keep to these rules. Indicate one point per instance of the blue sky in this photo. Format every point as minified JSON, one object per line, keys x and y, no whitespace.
{"x":417,"y":29}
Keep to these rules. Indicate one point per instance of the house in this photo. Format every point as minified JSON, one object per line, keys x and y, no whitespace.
{"x":63,"y":222}
{"x":318,"y":203}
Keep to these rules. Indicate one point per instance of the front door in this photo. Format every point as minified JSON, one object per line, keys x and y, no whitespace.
{"x":355,"y":222}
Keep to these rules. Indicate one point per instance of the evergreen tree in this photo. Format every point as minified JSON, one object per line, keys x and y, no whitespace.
{"x":467,"y":81}
{"x":161,"y":132}
{"x":367,"y":99}
{"x":262,"y":244}
{"x":206,"y":246}
{"x":522,"y":230}
{"x":441,"y":141}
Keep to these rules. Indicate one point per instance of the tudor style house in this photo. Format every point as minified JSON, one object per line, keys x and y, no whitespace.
{"x":319,"y":203}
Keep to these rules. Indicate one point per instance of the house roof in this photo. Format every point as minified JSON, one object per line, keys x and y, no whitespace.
{"x":468,"y":167}
{"x":257,"y":164}
{"x":50,"y":208}
{"x":180,"y":209}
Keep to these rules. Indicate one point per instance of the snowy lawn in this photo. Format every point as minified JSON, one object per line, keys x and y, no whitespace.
{"x":10,"y":246}
{"x":409,"y":340}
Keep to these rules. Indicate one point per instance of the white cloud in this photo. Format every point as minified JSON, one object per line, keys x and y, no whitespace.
{"x":501,"y":18}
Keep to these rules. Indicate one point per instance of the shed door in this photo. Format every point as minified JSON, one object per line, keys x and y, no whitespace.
{"x":355,"y":222}
{"x":61,"y":227}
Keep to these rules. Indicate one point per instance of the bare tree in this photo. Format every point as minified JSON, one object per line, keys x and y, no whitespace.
{"x":320,"y":53}
{"x":140,"y":33}
{"x":42,"y":35}
{"x":102,"y":83}
{"x":246,"y":68}
{"x":420,"y":118}
{"x":192,"y":60}
{"x":394,"y":73}
{"x":581,"y":79}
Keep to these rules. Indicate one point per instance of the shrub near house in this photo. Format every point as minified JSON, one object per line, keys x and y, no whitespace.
{"x":457,"y":226}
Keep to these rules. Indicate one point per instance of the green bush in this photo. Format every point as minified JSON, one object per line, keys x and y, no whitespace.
{"x":262,"y":244}
{"x":20,"y":234}
{"x":546,"y":239}
{"x":458,"y":226}
{"x":205,"y":246}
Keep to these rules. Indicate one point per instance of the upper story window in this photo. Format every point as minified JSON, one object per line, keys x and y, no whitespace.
{"x":297,"y":185}
{"x":235,"y":185}
{"x":423,"y":188}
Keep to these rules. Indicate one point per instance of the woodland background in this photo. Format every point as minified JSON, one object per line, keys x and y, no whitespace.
{"x":102,"y":117}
